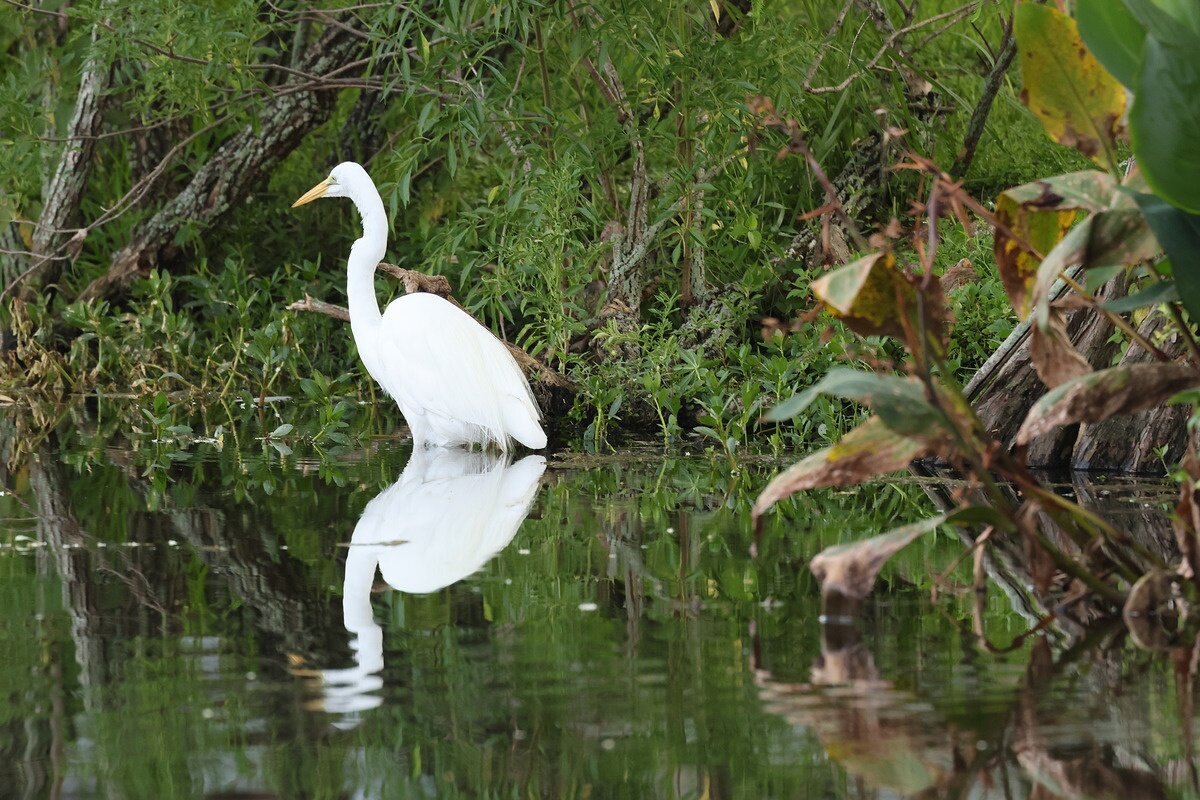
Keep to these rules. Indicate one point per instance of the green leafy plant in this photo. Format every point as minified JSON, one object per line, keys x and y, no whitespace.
{"x":1082,"y":228}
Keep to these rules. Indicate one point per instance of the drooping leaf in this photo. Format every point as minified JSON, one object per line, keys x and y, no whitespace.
{"x":1087,"y":190}
{"x":1165,"y":119}
{"x":1114,"y":36}
{"x":1097,"y":396}
{"x":1152,"y":295}
{"x":869,"y":450}
{"x":1113,"y":238}
{"x":899,"y":402}
{"x":1054,"y":357}
{"x":1179,"y":233}
{"x":1078,"y":102}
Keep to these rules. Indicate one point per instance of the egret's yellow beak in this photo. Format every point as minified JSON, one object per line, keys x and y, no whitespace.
{"x":312,"y":194}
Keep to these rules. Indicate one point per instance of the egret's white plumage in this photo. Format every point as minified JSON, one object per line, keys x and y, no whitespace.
{"x":454,"y":381}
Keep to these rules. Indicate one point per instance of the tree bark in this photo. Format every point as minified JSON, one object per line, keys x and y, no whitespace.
{"x":65,"y":189}
{"x":237,"y":166}
{"x":1138,"y":444}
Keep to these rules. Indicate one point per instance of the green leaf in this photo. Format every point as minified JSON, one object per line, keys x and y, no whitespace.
{"x":1165,"y":119}
{"x":1179,"y":233}
{"x":1114,"y":36}
{"x":1161,"y":292}
{"x":1078,"y":102}
{"x":899,"y":402}
{"x":1171,"y":21}
{"x":282,"y":430}
{"x":1093,"y":279}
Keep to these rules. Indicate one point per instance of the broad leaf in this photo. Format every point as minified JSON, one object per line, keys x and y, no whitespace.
{"x":870,"y":450}
{"x":1108,"y":393}
{"x":1165,"y":119}
{"x":1078,"y":102}
{"x":1054,"y":357}
{"x":1040,"y":214}
{"x":1114,"y":238}
{"x":899,"y":402}
{"x":1114,"y":36}
{"x":869,"y":295}
{"x":1024,"y":225}
{"x":1152,"y":295}
{"x":1088,"y":190}
{"x":1171,"y":21}
{"x":1179,"y":233}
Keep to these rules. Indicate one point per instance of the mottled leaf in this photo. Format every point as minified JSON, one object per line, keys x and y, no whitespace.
{"x":1165,"y":119}
{"x":1088,"y":190}
{"x":1114,"y":36}
{"x":1078,"y":102}
{"x":1114,"y":238}
{"x":1025,"y":225}
{"x":869,"y":295}
{"x":870,"y":450}
{"x":1097,"y":396}
{"x":1054,"y":357}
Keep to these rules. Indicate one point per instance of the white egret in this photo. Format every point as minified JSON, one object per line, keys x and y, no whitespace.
{"x":454,"y":381}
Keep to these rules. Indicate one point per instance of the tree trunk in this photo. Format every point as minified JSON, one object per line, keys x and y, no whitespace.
{"x":65,"y":190}
{"x":237,"y":166}
{"x":1002,"y":394}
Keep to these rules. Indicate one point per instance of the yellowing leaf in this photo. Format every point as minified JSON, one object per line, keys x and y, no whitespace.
{"x":869,"y":295}
{"x":1078,"y":102}
{"x":1040,"y":229}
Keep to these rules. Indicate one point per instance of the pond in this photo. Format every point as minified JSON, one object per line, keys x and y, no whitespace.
{"x":246,"y":621}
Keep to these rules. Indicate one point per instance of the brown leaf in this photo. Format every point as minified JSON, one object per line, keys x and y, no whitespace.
{"x":847,"y":572}
{"x":1054,"y":357}
{"x":869,"y":450}
{"x":1096,"y":396}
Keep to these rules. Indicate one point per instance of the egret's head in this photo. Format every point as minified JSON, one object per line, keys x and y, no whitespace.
{"x":342,"y":182}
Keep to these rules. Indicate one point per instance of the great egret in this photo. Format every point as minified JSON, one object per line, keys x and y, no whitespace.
{"x":454,"y":381}
{"x":450,"y":511}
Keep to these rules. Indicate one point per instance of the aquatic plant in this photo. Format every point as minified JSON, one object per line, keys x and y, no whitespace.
{"x":1122,"y":224}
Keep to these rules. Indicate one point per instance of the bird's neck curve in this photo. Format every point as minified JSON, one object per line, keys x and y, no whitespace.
{"x":365,"y":254}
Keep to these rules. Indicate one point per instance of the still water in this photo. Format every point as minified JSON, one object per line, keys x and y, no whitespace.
{"x":233,"y":623}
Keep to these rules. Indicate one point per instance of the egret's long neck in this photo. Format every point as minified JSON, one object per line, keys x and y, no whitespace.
{"x":364,"y":255}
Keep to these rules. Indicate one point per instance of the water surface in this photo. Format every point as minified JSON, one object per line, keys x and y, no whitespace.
{"x":251,"y":623}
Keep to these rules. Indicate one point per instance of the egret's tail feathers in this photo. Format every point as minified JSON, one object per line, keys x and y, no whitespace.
{"x":521,"y":423}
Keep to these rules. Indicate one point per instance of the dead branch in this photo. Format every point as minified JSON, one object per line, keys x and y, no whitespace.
{"x":892,"y":42}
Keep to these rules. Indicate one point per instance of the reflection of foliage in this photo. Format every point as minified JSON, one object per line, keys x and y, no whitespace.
{"x":662,"y":547}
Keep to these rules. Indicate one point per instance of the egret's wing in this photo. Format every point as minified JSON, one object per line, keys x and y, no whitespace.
{"x":438,"y":361}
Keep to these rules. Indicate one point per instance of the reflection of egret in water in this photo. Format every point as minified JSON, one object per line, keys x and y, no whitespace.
{"x":450,"y":511}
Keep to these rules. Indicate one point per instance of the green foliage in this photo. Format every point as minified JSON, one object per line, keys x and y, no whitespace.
{"x":505,"y":165}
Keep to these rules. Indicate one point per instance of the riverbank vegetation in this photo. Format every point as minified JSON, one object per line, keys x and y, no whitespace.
{"x":595,"y":183}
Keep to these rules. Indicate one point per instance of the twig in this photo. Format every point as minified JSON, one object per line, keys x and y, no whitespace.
{"x":954,"y":15}
{"x":975,"y":127}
